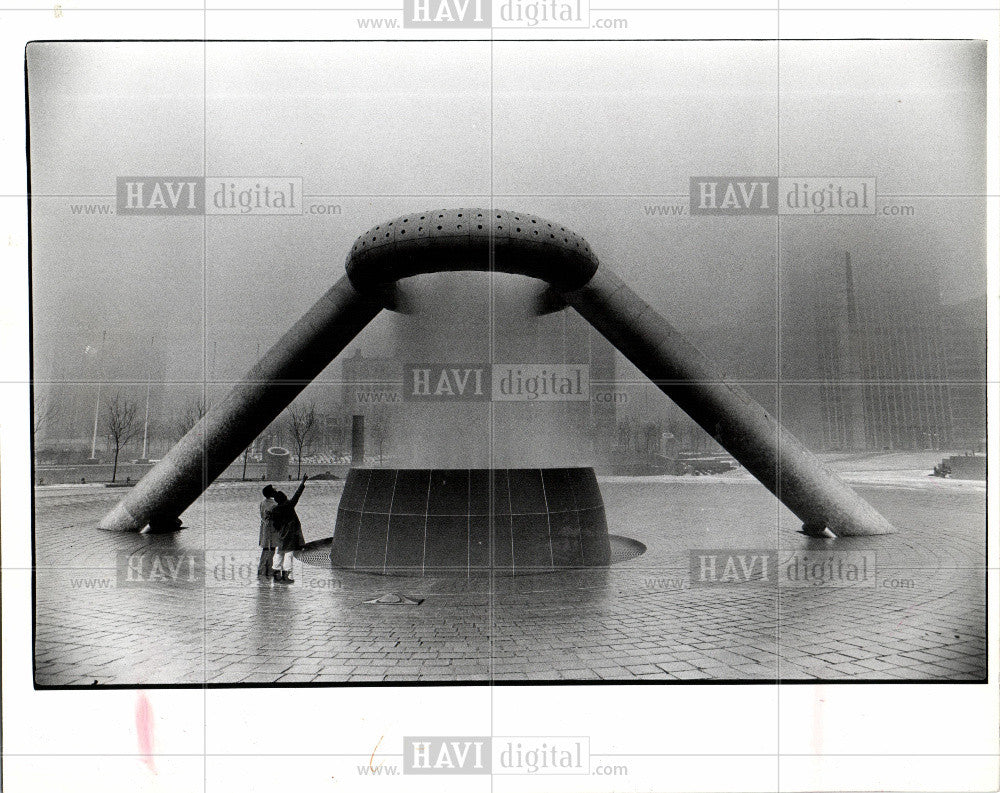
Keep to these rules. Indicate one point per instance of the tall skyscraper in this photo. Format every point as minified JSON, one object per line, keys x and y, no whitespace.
{"x":887,"y":361}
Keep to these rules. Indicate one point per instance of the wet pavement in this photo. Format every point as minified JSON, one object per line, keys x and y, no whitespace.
{"x":188,"y":609}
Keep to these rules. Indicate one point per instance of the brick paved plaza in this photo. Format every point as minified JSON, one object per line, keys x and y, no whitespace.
{"x":640,"y":619}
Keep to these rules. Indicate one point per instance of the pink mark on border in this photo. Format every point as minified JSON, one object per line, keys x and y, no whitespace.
{"x":144,"y":730}
{"x":818,"y":719}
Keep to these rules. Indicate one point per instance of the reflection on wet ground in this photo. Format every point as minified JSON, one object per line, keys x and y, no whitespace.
{"x":188,"y":608}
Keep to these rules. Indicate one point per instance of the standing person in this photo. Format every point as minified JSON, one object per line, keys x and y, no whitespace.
{"x":287,"y":534}
{"x":266,"y":532}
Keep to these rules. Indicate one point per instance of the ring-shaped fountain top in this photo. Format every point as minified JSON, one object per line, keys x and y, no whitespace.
{"x":470,"y":239}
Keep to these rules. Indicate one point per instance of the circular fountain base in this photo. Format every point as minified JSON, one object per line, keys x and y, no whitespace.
{"x":464,"y":521}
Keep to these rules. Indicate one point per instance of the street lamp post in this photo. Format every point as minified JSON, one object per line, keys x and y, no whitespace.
{"x":97,"y":403}
{"x":97,"y":411}
{"x":145,"y":423}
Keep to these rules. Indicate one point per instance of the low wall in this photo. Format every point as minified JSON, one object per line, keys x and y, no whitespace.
{"x":101,"y":472}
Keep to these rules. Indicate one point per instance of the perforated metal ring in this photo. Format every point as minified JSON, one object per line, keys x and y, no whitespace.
{"x":470,"y":239}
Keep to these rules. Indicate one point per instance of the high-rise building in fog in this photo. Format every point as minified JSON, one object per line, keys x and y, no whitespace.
{"x":964,"y":327}
{"x":893,"y":368}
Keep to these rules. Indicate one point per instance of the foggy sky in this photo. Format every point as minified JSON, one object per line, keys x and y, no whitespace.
{"x":585,"y":133}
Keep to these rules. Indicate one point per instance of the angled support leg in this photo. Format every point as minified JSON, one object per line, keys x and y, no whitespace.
{"x":229,"y":427}
{"x":727,"y":412}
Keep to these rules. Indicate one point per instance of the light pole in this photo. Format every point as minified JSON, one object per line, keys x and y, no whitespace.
{"x":97,"y":411}
{"x":97,"y":403}
{"x":145,"y":423}
{"x":246,"y":451}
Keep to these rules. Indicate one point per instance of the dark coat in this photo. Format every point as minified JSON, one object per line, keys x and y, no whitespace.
{"x":267,"y":539}
{"x":287,"y":528}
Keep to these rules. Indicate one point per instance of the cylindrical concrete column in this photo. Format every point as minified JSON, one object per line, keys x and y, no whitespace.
{"x":231,"y":425}
{"x":276,"y":460}
{"x":727,"y":412}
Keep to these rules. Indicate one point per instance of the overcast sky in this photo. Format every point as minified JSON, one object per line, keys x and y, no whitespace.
{"x":585,"y":133}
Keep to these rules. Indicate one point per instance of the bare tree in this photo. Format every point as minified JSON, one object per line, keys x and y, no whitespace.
{"x":246,"y":456}
{"x":193,"y":412}
{"x":651,"y":434}
{"x":301,"y":424}
{"x":43,"y":414}
{"x":122,"y":423}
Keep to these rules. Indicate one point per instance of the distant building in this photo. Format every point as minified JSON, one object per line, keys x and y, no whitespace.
{"x":964,"y":327}
{"x":370,"y":381}
{"x":75,"y":377}
{"x":889,"y":367}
